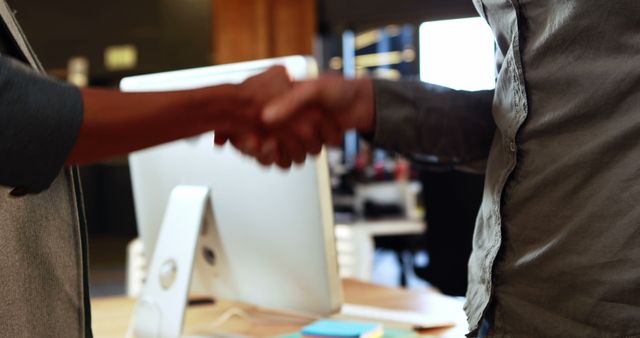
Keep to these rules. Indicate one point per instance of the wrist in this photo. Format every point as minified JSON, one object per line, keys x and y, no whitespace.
{"x":216,"y":105}
{"x":364,"y":106}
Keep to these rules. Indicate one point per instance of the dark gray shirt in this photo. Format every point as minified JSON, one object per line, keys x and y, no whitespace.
{"x":557,"y":241}
{"x":42,"y":265}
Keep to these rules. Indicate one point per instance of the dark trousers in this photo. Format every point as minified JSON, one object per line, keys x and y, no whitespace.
{"x":452,"y":200}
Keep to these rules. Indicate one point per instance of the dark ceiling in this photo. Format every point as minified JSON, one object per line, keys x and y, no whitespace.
{"x":363,"y":14}
{"x":167,"y":33}
{"x":173,"y":34}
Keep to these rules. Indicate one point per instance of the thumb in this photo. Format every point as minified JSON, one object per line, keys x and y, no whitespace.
{"x":291,"y":103}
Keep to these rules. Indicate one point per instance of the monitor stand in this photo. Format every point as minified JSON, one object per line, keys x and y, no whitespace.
{"x":161,"y":307}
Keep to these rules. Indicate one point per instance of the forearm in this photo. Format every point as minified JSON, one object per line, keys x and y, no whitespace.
{"x":117,"y":123}
{"x":364,"y":111}
{"x":456,"y":127}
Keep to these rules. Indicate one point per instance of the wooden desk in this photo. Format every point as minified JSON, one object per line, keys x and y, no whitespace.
{"x":111,"y":315}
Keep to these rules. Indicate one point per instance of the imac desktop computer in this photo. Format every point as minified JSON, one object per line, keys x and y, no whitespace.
{"x":215,"y":222}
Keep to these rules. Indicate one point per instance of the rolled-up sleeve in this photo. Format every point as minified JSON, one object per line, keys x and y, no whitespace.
{"x":39,"y":121}
{"x":429,"y":121}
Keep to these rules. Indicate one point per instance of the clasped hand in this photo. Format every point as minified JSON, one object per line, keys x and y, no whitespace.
{"x":284,"y":121}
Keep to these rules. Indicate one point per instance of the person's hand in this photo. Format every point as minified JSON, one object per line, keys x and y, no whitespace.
{"x":243,"y":128}
{"x":298,"y":119}
{"x":284,"y":145}
{"x":348,"y":103}
{"x":318,"y":111}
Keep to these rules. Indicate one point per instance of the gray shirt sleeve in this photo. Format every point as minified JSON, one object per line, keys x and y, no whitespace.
{"x":431,"y":122}
{"x":39,"y":121}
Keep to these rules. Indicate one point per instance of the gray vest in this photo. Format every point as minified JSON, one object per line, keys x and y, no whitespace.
{"x":43,"y":284}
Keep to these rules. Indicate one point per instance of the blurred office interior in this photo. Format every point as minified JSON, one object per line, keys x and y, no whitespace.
{"x":417,"y":215}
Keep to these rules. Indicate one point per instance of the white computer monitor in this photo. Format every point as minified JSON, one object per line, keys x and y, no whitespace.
{"x":275,"y":227}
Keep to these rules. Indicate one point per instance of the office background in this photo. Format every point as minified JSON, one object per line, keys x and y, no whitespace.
{"x":98,"y":42}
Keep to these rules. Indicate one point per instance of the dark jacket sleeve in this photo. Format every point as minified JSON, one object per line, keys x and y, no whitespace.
{"x":434,"y":123}
{"x":39,"y":121}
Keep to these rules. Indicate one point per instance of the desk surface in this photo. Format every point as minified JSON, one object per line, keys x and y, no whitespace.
{"x":111,"y":315}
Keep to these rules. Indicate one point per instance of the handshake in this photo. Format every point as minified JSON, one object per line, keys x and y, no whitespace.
{"x":280,"y":122}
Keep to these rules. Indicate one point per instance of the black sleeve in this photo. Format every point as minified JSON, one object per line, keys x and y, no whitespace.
{"x":39,"y":121}
{"x":423,"y":120}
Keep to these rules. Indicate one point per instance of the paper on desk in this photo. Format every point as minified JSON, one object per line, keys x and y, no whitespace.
{"x":396,"y":318}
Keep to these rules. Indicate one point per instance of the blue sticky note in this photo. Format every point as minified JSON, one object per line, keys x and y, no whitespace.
{"x":293,"y":335}
{"x":334,"y":328}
